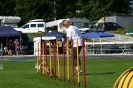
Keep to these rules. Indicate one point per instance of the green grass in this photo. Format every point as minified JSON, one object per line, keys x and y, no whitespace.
{"x":101,"y":73}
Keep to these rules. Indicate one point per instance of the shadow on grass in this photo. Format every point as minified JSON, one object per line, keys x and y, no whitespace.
{"x":100,"y":73}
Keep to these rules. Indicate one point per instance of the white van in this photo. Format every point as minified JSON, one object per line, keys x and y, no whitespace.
{"x":33,"y":26}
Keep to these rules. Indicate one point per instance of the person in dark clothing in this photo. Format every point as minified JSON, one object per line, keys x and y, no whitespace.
{"x":13,"y":49}
{"x":10,"y":47}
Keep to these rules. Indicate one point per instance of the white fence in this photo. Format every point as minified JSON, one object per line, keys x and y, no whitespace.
{"x":108,"y":47}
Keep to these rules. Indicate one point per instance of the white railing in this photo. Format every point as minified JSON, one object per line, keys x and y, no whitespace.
{"x":109,"y":51}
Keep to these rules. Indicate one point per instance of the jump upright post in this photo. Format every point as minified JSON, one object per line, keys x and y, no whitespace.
{"x":58,"y":59}
{"x":83,"y":62}
{"x":78,"y":62}
{"x":68,"y":69}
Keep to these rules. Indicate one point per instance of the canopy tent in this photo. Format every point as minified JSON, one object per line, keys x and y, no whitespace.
{"x":6,"y":31}
{"x":53,"y":35}
{"x":97,"y":35}
{"x":129,"y":32}
{"x":49,"y":36}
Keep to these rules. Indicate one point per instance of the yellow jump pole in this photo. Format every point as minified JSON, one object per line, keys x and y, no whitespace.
{"x":37,"y":58}
{"x":40,"y":60}
{"x":78,"y":62}
{"x":58,"y":59}
{"x":68,"y":73}
{"x":50,"y":59}
{"x":43,"y":58}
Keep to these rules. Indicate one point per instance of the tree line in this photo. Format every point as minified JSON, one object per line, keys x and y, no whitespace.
{"x":50,"y":10}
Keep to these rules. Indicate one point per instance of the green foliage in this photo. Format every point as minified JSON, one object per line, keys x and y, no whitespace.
{"x":131,"y":25}
{"x":58,"y":9}
{"x":33,"y":9}
{"x":7,"y":7}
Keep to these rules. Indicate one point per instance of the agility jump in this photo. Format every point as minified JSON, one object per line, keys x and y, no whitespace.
{"x":48,"y":61}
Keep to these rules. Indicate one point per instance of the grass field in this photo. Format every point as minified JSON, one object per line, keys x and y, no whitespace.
{"x":101,"y":73}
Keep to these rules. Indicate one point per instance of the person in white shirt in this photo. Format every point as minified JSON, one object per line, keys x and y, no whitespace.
{"x":72,"y":33}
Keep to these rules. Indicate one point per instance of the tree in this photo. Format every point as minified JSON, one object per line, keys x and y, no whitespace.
{"x":33,"y":9}
{"x":65,"y":9}
{"x":50,"y":10}
{"x":95,"y":9}
{"x":7,"y":8}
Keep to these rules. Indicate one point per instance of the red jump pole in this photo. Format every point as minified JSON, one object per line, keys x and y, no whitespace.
{"x":44,"y":51}
{"x":73,"y":63}
{"x":46,"y":57}
{"x":43,"y":59}
{"x":54,"y":59}
{"x":63,"y":48}
{"x":83,"y":62}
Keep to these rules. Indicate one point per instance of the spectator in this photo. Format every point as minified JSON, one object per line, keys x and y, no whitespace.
{"x":17,"y":46}
{"x":5,"y":51}
{"x":13,"y":49}
{"x":60,"y":44}
{"x":10,"y":47}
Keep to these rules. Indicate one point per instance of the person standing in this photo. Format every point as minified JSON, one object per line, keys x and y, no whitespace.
{"x":5,"y":50}
{"x":17,"y":46}
{"x":13,"y":49}
{"x":72,"y":33}
{"x":10,"y":47}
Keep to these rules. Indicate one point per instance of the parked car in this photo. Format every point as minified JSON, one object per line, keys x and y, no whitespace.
{"x":84,"y":29}
{"x":90,"y":28}
{"x":108,"y":26}
{"x":94,"y":23}
{"x":114,"y":49}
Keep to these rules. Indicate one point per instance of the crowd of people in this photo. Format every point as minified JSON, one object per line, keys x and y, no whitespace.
{"x":12,"y":47}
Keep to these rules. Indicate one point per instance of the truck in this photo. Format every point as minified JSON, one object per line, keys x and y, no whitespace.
{"x":10,"y":21}
{"x":38,"y":25}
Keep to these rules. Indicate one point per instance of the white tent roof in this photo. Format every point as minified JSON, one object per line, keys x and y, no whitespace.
{"x":48,"y":38}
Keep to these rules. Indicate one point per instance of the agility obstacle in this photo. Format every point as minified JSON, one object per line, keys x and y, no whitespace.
{"x":125,"y":80}
{"x":52,"y":59}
